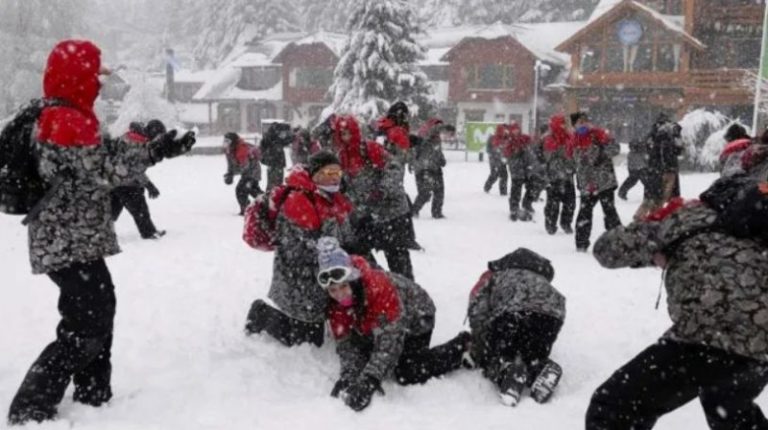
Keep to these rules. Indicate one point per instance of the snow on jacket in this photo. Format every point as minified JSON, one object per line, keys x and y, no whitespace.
{"x":373,"y":179}
{"x":243,"y":159}
{"x":428,"y":156}
{"x":594,"y":152}
{"x":558,"y":151}
{"x":388,"y":308}
{"x":306,"y":215}
{"x":519,"y":282}
{"x":717,"y":284}
{"x":76,"y":224}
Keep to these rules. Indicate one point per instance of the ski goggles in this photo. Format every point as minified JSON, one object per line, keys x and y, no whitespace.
{"x":334,"y":275}
{"x":331,"y":172}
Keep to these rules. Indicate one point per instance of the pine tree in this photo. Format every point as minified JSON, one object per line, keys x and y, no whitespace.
{"x":230,"y":23}
{"x":378,"y":64}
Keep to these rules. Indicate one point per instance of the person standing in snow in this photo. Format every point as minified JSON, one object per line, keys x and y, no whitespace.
{"x":242,"y":159}
{"x":523,"y":166}
{"x":637,"y":163}
{"x":374,"y":183}
{"x":665,"y":138}
{"x":593,"y":152}
{"x":131,"y":196}
{"x":383,"y":324}
{"x":394,"y":131}
{"x":560,"y":168}
{"x":73,"y":232}
{"x":516,"y":315}
{"x":302,"y":146}
{"x":427,"y":161}
{"x":313,"y":207}
{"x":498,"y":167}
{"x":272,"y":147}
{"x":717,"y":347}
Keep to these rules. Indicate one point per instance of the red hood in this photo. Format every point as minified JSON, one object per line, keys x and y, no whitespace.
{"x":427,"y":127}
{"x":300,"y":179}
{"x":350,"y":155}
{"x":558,"y":136}
{"x":396,"y":134}
{"x":735,"y":146}
{"x":597,"y":135}
{"x":72,"y":73}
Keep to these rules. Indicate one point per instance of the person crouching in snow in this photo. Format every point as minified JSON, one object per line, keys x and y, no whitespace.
{"x":383,"y":324}
{"x":515,"y":315}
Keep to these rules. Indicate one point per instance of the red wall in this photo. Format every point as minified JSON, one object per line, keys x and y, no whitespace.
{"x":313,"y":55}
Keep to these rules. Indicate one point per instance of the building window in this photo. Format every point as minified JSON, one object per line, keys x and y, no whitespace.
{"x":310,"y":77}
{"x":590,"y":59}
{"x":229,"y":117}
{"x":259,"y":78}
{"x":668,"y":58}
{"x":490,"y":76}
{"x":474,"y":115}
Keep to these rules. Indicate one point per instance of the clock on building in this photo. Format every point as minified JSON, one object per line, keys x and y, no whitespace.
{"x":629,"y":31}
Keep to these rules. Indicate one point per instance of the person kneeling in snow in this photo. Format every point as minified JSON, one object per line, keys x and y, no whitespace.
{"x":515,"y":315}
{"x":383,"y":324}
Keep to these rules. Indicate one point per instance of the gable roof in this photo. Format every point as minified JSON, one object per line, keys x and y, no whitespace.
{"x":607,"y":10}
{"x":538,"y":39}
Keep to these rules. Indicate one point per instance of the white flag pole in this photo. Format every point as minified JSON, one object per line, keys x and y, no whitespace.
{"x":758,"y":86}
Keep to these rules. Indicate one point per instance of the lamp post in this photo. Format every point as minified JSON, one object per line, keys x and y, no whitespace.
{"x":538,"y":66}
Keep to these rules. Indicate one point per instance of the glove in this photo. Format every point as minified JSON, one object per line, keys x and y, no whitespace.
{"x":359,"y":393}
{"x":167,"y":146}
{"x":152,"y":190}
{"x":341,"y":385}
{"x":228,"y":178}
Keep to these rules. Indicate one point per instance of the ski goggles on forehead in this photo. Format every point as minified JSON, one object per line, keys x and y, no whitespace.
{"x":334,"y":275}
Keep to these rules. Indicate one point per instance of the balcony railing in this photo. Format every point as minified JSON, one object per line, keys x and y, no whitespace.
{"x":734,"y":79}
{"x":732,"y":15}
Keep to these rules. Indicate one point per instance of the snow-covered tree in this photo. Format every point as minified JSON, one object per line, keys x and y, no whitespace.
{"x":378,"y":65}
{"x":698,"y":129}
{"x":230,"y":23}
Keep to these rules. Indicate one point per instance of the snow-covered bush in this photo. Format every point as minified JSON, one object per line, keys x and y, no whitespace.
{"x":701,"y":151}
{"x":143,"y":103}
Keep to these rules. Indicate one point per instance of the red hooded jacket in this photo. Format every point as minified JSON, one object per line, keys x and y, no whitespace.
{"x":381,"y":301}
{"x":559,"y":136}
{"x":72,"y":75}
{"x":350,"y":154}
{"x":396,"y":134}
{"x":513,"y":143}
{"x":310,"y":213}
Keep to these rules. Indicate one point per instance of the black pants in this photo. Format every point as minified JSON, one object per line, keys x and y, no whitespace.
{"x":668,"y":375}
{"x":561,"y":204}
{"x":528,"y":336}
{"x":132,"y":198}
{"x":516,"y":191}
{"x":245,"y":189}
{"x":81,"y":349}
{"x":393,"y":237}
{"x":287,"y":330}
{"x":274,"y":177}
{"x":632,"y":180}
{"x":584,"y":218}
{"x":498,"y":172}
{"x":430,"y":185}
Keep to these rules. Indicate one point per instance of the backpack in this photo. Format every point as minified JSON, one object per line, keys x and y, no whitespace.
{"x":21,"y":186}
{"x":260,"y":223}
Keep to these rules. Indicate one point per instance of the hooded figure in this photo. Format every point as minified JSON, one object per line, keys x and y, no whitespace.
{"x":73,"y":232}
{"x":558,"y":150}
{"x":383,"y":324}
{"x":515,"y":315}
{"x":427,"y":161}
{"x":242,"y":159}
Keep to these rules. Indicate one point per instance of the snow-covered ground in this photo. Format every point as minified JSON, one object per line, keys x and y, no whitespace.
{"x":181,"y":360}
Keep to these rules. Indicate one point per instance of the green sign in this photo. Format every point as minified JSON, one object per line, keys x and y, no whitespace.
{"x":477,"y":134}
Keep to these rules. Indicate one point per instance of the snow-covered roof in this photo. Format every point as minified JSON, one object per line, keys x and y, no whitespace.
{"x":607,"y":9}
{"x":434,"y":57}
{"x":539,"y":39}
{"x":334,"y":41}
{"x":253,"y":59}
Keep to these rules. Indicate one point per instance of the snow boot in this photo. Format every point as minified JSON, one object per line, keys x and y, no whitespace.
{"x":258,"y":317}
{"x":566,"y":228}
{"x":514,"y":379}
{"x":545,"y":383}
{"x":92,"y":396}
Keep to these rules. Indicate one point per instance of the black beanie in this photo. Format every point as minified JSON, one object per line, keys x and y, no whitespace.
{"x":321,"y":159}
{"x":154,"y":128}
{"x":577,"y":116}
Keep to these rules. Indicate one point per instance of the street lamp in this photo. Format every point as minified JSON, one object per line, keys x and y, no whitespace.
{"x":538,"y":66}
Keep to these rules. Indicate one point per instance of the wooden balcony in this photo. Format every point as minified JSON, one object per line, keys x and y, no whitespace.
{"x":732,"y":15}
{"x":726,"y":79}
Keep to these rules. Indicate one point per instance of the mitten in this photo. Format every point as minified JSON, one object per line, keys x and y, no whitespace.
{"x":152,"y":190}
{"x":229,"y":178}
{"x":341,"y":385}
{"x":167,"y":146}
{"x":359,"y":393}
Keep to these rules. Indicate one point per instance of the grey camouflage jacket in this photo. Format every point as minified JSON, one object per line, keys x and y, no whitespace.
{"x":294,"y":287}
{"x":558,"y":166}
{"x":717,"y":284}
{"x":376,"y":354}
{"x":76,"y":224}
{"x":594,"y":167}
{"x":427,"y":156}
{"x":379,"y":192}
